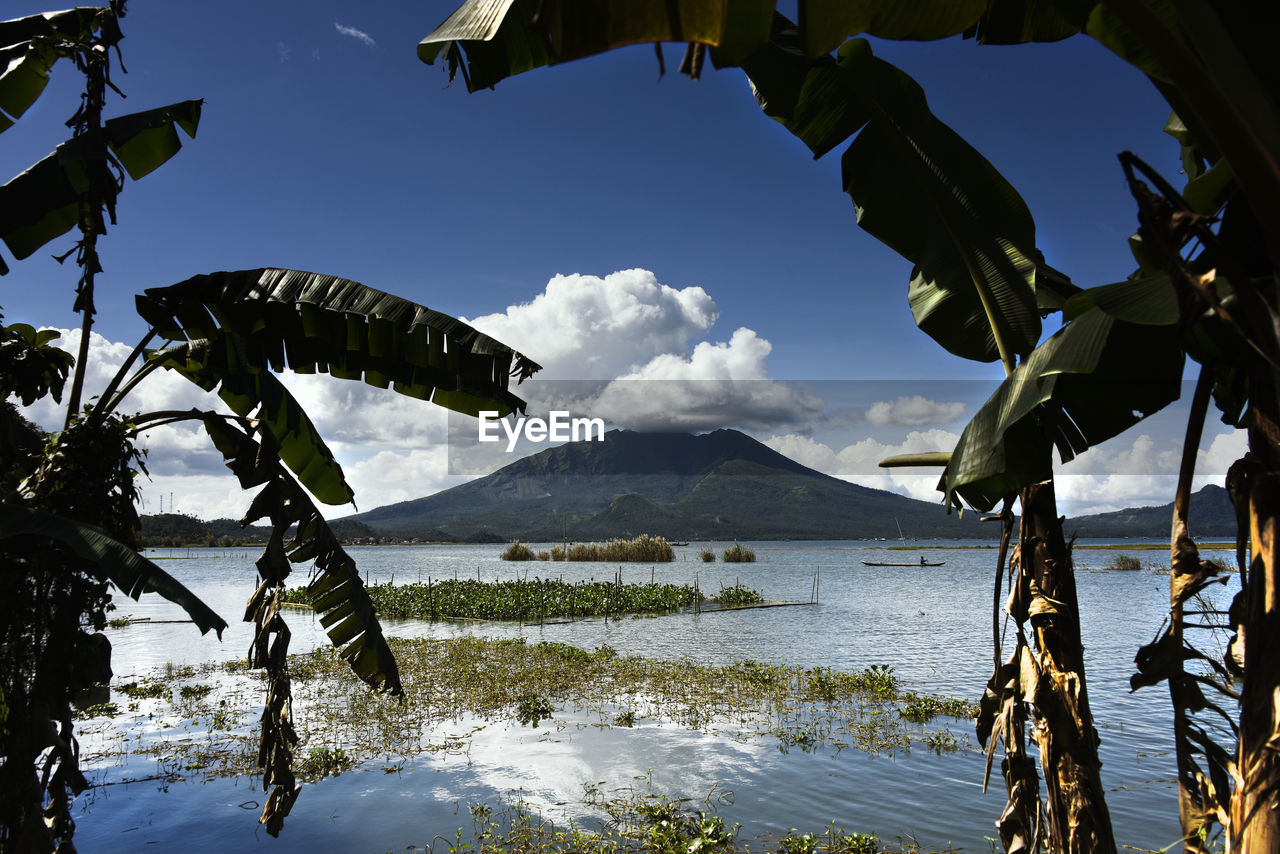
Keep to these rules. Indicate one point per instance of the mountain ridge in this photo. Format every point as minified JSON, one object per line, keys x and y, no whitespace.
{"x":719,"y":485}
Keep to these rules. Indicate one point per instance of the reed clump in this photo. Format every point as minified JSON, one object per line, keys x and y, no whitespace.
{"x":1127,"y":563}
{"x":517,"y":550}
{"x":738,"y":553}
{"x":707,"y":555}
{"x":645,"y":548}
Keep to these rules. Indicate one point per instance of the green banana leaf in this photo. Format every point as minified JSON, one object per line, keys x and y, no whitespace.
{"x":922,"y":190}
{"x":218,"y":363}
{"x":29,"y":48}
{"x":827,"y":23}
{"x":310,"y":322}
{"x":43,"y":202}
{"x":338,"y":595}
{"x":1031,"y":21}
{"x":1090,"y":381}
{"x":500,"y":37}
{"x":109,"y":559}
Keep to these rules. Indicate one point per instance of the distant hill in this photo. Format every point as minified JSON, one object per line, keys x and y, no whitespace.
{"x":178,"y":529}
{"x":1211,"y":516}
{"x":717,"y":486}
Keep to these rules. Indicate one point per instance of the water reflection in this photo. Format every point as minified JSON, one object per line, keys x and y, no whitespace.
{"x":933,"y":626}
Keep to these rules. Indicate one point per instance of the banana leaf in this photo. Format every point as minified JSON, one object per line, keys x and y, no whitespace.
{"x":218,"y":364}
{"x":1090,"y":381}
{"x":338,"y":595}
{"x":43,"y":203}
{"x":500,"y":38}
{"x":29,"y":48}
{"x":922,"y":190}
{"x":109,"y":559}
{"x":310,"y":322}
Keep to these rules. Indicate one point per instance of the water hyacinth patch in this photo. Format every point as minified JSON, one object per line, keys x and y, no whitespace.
{"x":531,"y":600}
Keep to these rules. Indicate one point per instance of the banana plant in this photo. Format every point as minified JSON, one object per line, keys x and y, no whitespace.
{"x":978,"y":284}
{"x":70,"y":523}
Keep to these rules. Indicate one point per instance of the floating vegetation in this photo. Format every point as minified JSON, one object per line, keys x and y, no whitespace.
{"x":738,"y":595}
{"x":194,"y":692}
{"x":321,"y":762}
{"x":528,"y":600}
{"x":455,"y":687}
{"x":517,"y":550}
{"x":144,"y":689}
{"x":921,"y":708}
{"x":646,"y":822}
{"x":532,"y":708}
{"x":738,"y":553}
{"x":708,"y":555}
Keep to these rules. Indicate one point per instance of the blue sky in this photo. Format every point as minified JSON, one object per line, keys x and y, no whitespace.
{"x":327,"y":145}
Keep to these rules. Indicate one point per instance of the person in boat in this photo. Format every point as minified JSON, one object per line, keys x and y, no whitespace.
{"x":922,"y":560}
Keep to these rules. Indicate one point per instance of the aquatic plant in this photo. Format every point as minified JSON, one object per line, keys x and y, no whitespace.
{"x":146,"y":688}
{"x":707,"y":555}
{"x":529,"y":600}
{"x":642,"y":549}
{"x":922,"y":708}
{"x":323,"y":761}
{"x":738,"y":553}
{"x":738,"y":595}
{"x":517,"y":550}
{"x":642,"y":821}
{"x":1127,"y":563}
{"x":194,"y":692}
{"x":531,"y":708}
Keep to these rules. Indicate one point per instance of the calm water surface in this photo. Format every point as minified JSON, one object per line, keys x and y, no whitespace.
{"x":933,"y":626}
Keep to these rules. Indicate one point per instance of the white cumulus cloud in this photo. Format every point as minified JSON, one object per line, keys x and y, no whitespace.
{"x":599,"y":328}
{"x":624,"y":347}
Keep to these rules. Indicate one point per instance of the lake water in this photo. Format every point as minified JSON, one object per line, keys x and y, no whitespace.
{"x":932,"y":625}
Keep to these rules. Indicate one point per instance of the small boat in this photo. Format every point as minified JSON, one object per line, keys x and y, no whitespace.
{"x":886,"y":563}
{"x":922,"y":562}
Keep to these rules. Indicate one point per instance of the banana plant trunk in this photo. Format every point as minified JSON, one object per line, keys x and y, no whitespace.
{"x":1255,"y":805}
{"x":1065,"y":735}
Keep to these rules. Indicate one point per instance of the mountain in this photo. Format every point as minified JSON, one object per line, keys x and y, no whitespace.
{"x":717,"y":486}
{"x":1211,"y":515}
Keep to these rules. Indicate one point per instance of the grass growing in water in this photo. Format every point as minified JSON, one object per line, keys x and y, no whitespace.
{"x":529,"y":601}
{"x":1128,"y":563}
{"x":645,"y":548}
{"x":644,"y":822}
{"x":707,"y":555}
{"x":738,"y":553}
{"x":517,"y":550}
